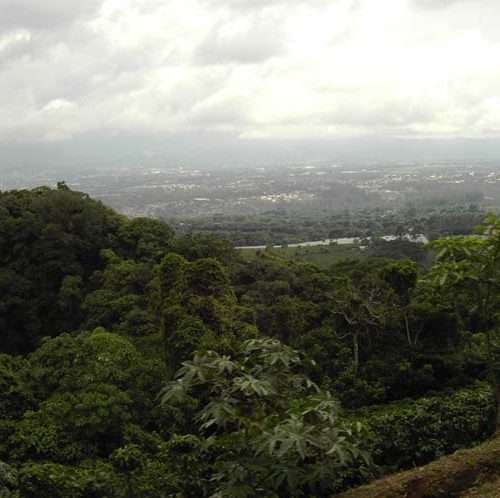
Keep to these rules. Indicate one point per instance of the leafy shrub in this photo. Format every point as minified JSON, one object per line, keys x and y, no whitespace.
{"x":413,"y":432}
{"x":273,"y":431}
{"x":50,"y":480}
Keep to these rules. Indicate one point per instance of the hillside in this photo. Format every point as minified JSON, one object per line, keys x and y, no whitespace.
{"x":138,"y":362}
{"x":473,"y":473}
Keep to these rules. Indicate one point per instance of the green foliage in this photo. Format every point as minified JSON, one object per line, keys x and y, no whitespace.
{"x":208,"y":277}
{"x":120,"y":303}
{"x":145,"y":238}
{"x":401,"y":277}
{"x":330,"y":353}
{"x":79,"y":413}
{"x":187,"y":466}
{"x":413,"y":432}
{"x":470,"y":266}
{"x":15,"y":395}
{"x":197,"y":309}
{"x":8,"y":481}
{"x":50,"y":242}
{"x":49,"y":480}
{"x":74,"y":362}
{"x":274,"y":432}
{"x":434,"y":217}
{"x":200,"y":246}
{"x":68,"y":427}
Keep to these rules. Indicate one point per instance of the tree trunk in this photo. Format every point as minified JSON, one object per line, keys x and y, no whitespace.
{"x":356,"y":351}
{"x":495,"y":381}
{"x":407,"y":326}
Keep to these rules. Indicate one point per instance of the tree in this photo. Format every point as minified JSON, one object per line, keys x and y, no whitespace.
{"x":198,"y":246}
{"x":208,"y":277}
{"x":196,"y":309}
{"x":8,"y":480}
{"x":145,"y":238}
{"x":69,"y":363}
{"x":50,"y":243}
{"x":121,"y":301}
{"x":15,"y":395}
{"x":272,"y":430}
{"x":51,"y":480}
{"x":70,"y":427}
{"x":401,"y":276}
{"x":362,"y":309}
{"x":469,"y":267}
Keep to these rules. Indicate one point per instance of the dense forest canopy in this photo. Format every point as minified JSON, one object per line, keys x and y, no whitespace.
{"x":135,"y":362}
{"x":435,"y":218}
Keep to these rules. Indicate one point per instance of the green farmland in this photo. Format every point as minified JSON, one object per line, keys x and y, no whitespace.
{"x":322,"y":256}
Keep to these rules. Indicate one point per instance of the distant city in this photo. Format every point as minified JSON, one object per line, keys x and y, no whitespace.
{"x":172,"y":192}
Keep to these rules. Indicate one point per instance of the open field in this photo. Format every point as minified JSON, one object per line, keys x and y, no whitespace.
{"x":322,"y":256}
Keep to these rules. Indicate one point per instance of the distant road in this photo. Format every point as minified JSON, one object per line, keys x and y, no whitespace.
{"x":417,"y":238}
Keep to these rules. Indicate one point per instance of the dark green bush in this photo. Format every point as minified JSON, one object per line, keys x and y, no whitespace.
{"x":409,"y":433}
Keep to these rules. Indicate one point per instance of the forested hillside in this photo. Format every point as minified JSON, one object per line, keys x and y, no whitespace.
{"x":138,"y":363}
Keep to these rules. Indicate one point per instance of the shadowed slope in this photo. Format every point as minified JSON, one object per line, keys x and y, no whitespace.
{"x":465,"y":474}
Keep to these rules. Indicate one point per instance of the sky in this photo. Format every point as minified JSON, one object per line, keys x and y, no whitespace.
{"x":99,"y":75}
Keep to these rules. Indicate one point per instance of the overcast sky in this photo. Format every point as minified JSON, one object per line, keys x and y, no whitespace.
{"x":273,"y":69}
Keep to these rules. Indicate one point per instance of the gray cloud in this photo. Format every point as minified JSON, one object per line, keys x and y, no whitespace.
{"x":194,"y":91}
{"x":248,"y":5}
{"x":435,"y":4}
{"x":19,"y":46}
{"x":44,"y":15}
{"x":257,"y":42}
{"x":273,"y":68}
{"x":394,"y":113}
{"x":226,"y":112}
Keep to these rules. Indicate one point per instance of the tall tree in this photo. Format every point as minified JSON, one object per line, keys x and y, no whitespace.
{"x":469,"y":268}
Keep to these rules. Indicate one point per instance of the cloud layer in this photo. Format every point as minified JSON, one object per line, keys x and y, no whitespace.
{"x":277,"y":69}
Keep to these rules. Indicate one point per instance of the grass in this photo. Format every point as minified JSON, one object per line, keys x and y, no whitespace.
{"x":323,"y":256}
{"x":472,"y":473}
{"x":487,"y":490}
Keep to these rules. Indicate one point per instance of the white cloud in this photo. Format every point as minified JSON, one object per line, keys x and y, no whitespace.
{"x":277,"y":68}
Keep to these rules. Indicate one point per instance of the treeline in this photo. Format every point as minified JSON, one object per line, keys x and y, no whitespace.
{"x":286,"y":226}
{"x":98,"y":312}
